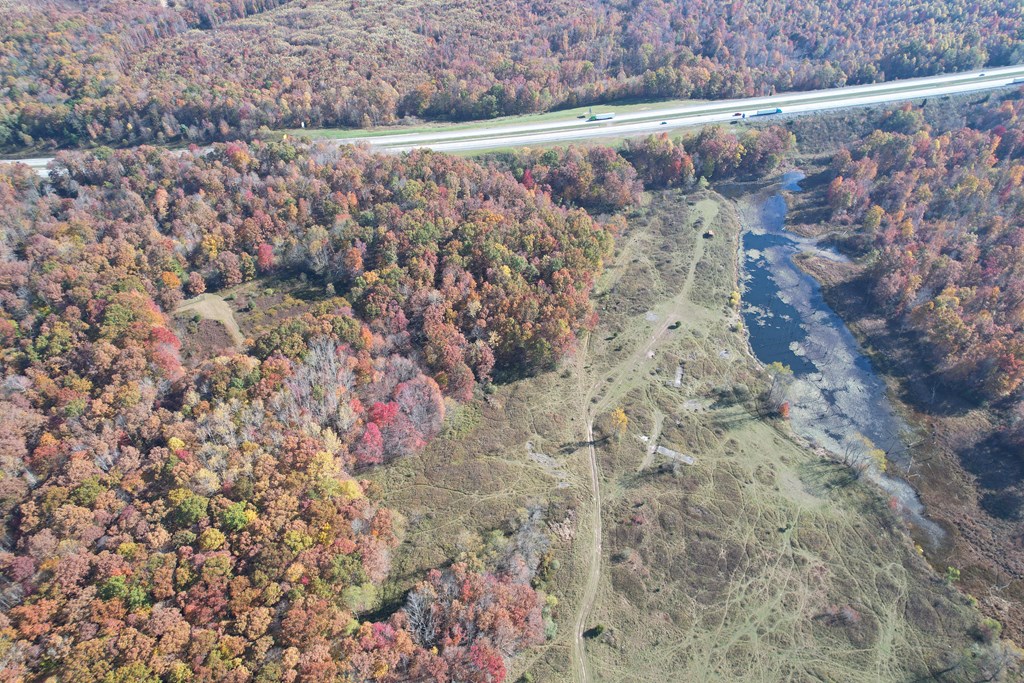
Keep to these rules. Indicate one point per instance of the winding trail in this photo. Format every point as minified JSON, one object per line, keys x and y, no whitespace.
{"x":629,"y":367}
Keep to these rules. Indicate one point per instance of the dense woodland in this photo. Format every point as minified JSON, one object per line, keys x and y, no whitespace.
{"x":178,"y":522}
{"x":601,"y":179}
{"x":127,"y":72}
{"x":173,"y":523}
{"x":945,"y":215}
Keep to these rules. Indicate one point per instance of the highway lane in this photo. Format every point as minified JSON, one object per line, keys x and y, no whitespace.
{"x":641,"y":123}
{"x":478,"y":138}
{"x":849,"y":96}
{"x":38,"y":163}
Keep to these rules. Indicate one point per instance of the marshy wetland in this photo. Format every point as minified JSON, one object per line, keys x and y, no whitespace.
{"x":837,"y":400}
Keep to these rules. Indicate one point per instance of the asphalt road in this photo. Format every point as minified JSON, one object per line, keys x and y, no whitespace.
{"x":455,"y":139}
{"x":39,"y":163}
{"x":652,"y":121}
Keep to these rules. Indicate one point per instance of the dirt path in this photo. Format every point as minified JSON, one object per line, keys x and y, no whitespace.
{"x":212,"y":307}
{"x":628,"y":368}
{"x":652,"y":441}
{"x":594,"y":573}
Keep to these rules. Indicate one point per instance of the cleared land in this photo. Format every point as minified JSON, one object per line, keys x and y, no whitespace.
{"x":698,"y":543}
{"x":213,"y":307}
{"x":759,"y":561}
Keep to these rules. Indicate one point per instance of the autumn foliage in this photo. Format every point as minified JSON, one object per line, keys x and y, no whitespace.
{"x":944,"y":212}
{"x":173,"y":523}
{"x":128,"y":72}
{"x":602,"y":179}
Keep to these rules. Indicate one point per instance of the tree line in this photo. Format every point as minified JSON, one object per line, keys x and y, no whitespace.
{"x":173,"y":523}
{"x":941,"y":214}
{"x":123,"y":73}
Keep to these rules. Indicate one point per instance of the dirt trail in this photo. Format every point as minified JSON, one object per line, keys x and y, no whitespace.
{"x":212,"y":307}
{"x":594,"y":574}
{"x":629,"y":367}
{"x":652,"y":441}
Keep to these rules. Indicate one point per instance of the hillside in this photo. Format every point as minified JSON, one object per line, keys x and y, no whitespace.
{"x":208,"y":517}
{"x":114,"y":72}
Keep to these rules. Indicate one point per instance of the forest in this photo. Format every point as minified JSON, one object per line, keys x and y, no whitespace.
{"x":173,"y":522}
{"x":604,"y":180}
{"x":942,"y":215}
{"x":115,"y":72}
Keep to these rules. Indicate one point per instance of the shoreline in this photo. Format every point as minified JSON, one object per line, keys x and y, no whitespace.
{"x":987,"y":550}
{"x":892,"y":484}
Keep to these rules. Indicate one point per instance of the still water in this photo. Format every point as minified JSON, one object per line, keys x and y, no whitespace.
{"x":836,"y":399}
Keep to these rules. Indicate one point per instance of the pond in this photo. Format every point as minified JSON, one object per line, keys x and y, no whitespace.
{"x":837,"y":400}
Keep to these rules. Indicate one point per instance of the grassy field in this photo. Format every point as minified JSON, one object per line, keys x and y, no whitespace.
{"x":758,"y":562}
{"x":726,"y":551}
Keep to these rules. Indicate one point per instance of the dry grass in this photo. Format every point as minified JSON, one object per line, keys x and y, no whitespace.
{"x":757,"y":562}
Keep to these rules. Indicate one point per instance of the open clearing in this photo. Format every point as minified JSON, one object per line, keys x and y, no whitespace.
{"x":213,"y":307}
{"x":758,"y":561}
{"x":705,"y":543}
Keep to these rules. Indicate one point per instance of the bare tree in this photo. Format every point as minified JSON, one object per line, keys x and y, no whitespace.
{"x":523,"y":555}
{"x":319,"y":382}
{"x":420,"y":610}
{"x":775,"y":395}
{"x":860,"y":454}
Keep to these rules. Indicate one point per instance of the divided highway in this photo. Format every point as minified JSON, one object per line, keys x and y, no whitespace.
{"x":39,"y":164}
{"x":652,"y":121}
{"x":477,"y":137}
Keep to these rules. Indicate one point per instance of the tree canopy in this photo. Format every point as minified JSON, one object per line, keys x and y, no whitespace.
{"x":170,"y":522}
{"x":129,"y":72}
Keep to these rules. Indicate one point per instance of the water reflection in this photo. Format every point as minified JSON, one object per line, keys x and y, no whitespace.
{"x":836,"y":399}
